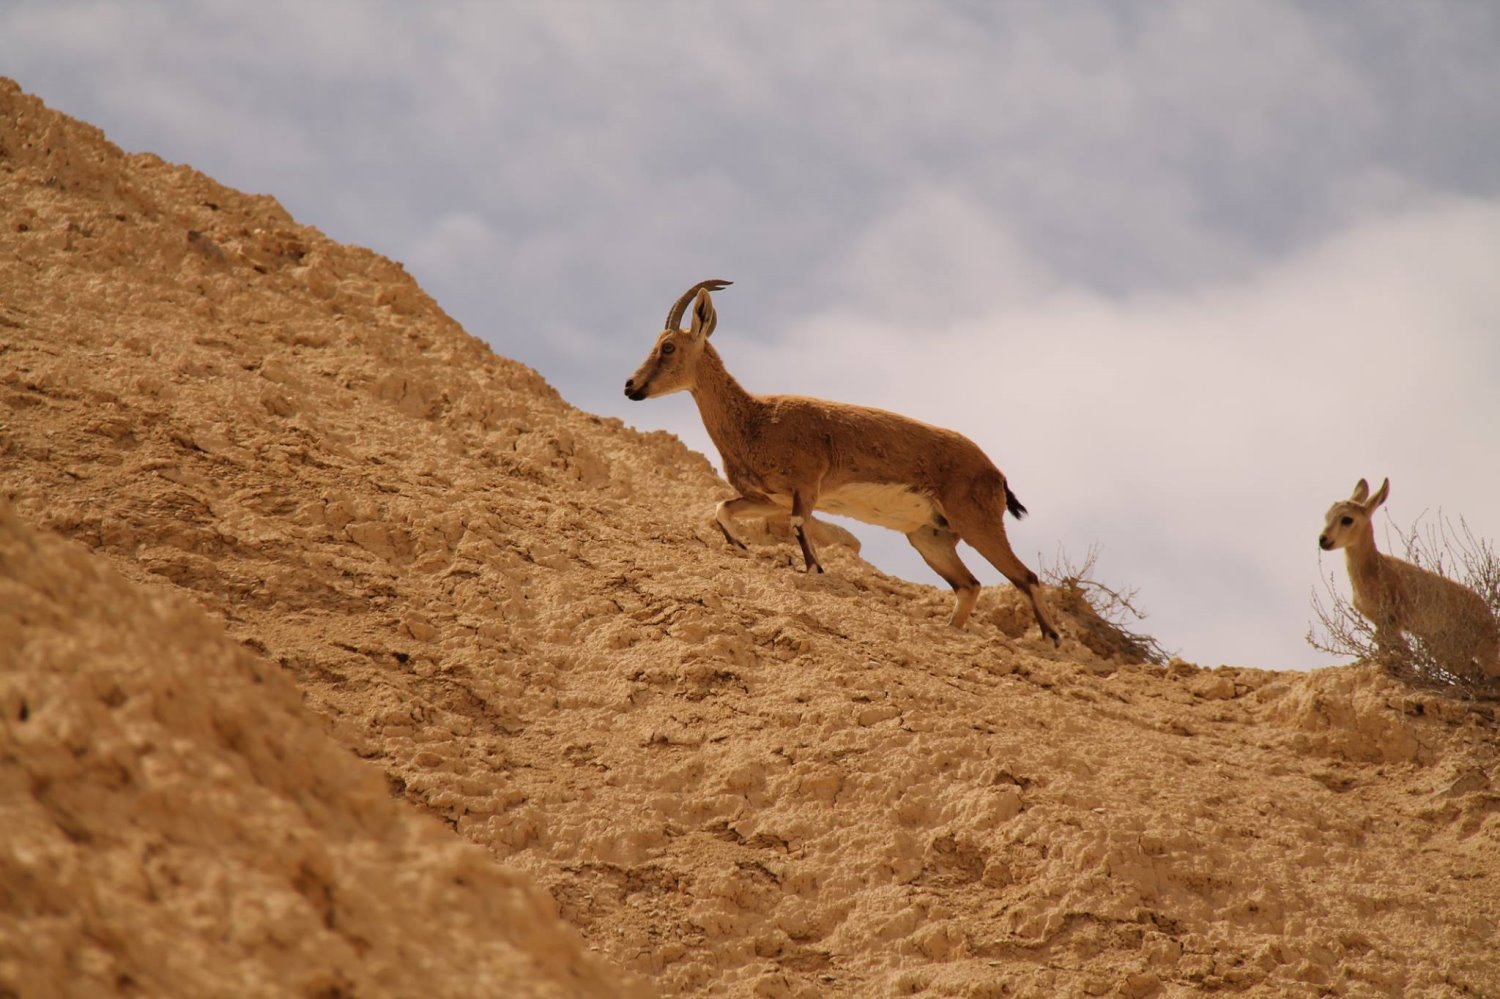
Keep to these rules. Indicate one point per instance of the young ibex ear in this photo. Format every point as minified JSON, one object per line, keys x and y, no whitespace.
{"x":704,"y":316}
{"x":1361,"y":490}
{"x":1379,"y":497}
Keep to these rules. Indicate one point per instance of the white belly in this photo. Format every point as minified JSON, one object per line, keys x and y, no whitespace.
{"x":893,"y":506}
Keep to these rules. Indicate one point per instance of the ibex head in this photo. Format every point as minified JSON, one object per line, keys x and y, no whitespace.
{"x":1348,"y":519}
{"x":673,"y":362}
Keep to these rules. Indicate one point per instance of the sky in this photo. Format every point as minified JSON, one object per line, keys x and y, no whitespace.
{"x":1185,"y":270}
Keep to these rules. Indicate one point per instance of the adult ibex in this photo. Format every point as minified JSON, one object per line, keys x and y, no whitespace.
{"x":1452,"y":620}
{"x":794,"y":454}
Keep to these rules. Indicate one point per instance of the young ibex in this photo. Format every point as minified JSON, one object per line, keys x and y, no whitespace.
{"x":794,"y":454}
{"x":1452,"y":620}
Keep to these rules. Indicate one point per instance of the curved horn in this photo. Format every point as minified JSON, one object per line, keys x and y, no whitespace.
{"x":675,"y":315}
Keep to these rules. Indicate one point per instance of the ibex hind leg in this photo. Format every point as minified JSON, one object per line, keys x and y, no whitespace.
{"x":938,"y":547}
{"x":983,"y":529}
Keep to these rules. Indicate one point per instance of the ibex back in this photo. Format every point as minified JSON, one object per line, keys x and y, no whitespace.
{"x":793,"y":455}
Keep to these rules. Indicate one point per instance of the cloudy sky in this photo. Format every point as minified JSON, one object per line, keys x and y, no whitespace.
{"x":1185,"y":270}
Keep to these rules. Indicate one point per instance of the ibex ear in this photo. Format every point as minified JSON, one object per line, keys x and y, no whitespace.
{"x":1379,"y":497}
{"x":704,"y":316}
{"x":1361,"y":490}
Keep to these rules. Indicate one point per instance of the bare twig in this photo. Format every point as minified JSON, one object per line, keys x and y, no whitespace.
{"x":1101,"y":612}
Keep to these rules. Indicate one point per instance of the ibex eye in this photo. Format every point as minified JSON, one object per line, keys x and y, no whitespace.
{"x":667,"y":348}
{"x":1346,"y":521}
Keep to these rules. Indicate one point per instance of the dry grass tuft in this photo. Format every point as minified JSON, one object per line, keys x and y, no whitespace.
{"x":1100,"y":612}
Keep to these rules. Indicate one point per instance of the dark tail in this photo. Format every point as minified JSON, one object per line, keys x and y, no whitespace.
{"x":1012,"y":504}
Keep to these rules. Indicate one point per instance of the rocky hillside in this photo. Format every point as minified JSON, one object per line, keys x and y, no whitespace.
{"x":271,"y":513}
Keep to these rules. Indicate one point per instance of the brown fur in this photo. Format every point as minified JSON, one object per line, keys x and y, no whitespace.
{"x":1398,"y":597}
{"x":793,"y":453}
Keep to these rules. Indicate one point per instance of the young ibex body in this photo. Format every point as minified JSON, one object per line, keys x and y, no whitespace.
{"x":1398,"y":597}
{"x":791,"y":454}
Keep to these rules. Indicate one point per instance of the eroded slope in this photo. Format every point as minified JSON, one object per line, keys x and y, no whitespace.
{"x":176,"y":823}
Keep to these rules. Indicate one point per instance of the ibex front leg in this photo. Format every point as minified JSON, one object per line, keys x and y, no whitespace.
{"x":742,"y":506}
{"x":802,"y":508}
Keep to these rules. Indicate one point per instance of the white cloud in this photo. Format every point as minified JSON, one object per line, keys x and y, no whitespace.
{"x":933,"y":254}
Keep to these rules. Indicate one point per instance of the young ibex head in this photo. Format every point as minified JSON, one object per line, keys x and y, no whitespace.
{"x":1348,"y":520}
{"x":673,"y":362}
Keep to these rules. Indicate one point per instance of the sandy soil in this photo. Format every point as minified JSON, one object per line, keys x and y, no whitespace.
{"x":292,"y":565}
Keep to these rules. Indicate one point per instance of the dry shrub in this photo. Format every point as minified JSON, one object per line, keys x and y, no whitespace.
{"x":1101,"y":613}
{"x":1443,"y":661}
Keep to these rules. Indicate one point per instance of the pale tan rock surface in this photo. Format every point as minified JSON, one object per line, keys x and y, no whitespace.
{"x":731,"y":777}
{"x":177,"y":823}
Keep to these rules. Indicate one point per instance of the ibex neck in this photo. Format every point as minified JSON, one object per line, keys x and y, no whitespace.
{"x":1362,"y":557}
{"x":727,"y":409}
